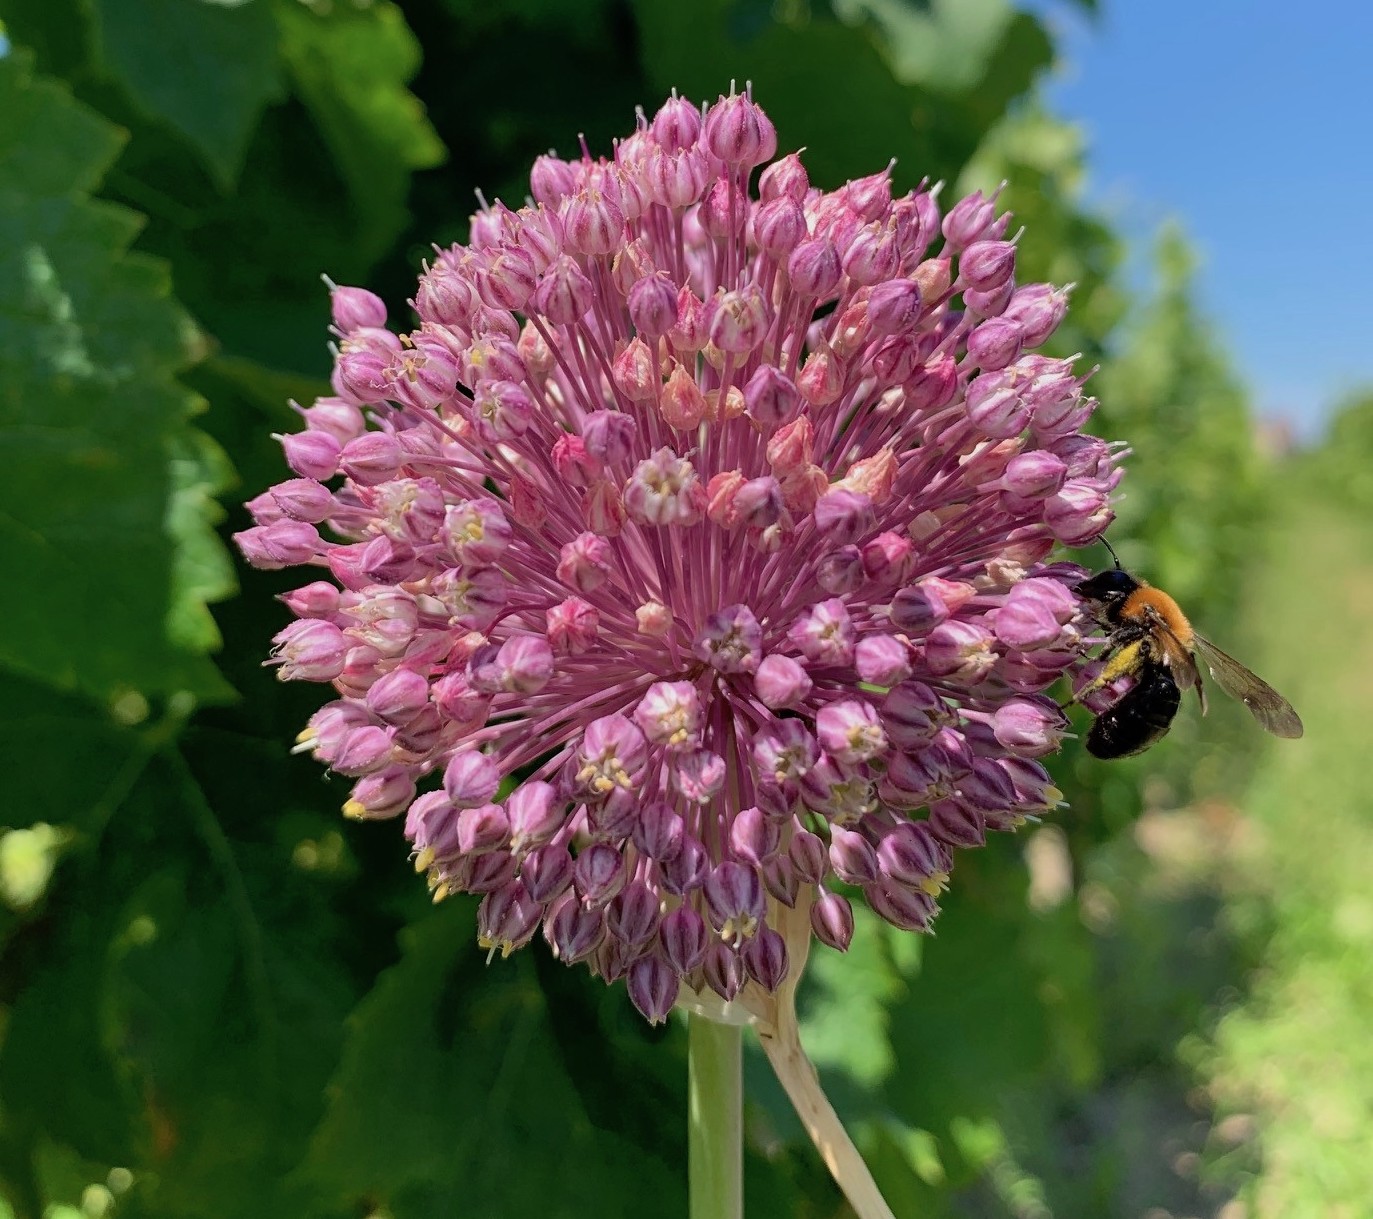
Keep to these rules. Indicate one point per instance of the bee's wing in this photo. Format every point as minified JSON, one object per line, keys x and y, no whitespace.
{"x":1269,"y":707}
{"x":1179,"y":659}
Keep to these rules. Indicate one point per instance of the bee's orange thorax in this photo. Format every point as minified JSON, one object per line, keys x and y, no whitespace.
{"x":1143,"y":599}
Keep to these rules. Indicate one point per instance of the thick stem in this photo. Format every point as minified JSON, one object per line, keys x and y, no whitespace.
{"x":796,"y":1074}
{"x":780,"y":1036}
{"x":715,"y":1121}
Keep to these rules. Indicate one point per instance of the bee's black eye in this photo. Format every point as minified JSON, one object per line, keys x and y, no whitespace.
{"x":1107,"y":585}
{"x":1117,"y":581}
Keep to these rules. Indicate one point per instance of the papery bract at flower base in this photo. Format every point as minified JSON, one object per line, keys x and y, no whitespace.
{"x":716,"y":524}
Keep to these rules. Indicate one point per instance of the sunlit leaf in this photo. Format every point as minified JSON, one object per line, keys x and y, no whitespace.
{"x":350,"y":66}
{"x":91,"y":417}
{"x":205,"y":68}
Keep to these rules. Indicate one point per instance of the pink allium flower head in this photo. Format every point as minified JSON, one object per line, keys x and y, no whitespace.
{"x":690,"y":554}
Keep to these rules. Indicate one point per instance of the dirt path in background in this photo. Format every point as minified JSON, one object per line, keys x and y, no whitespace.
{"x":1297,"y":1054}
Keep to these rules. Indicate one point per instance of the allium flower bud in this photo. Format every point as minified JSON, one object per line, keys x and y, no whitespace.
{"x":313,"y":453}
{"x":371,"y":459}
{"x":397,"y":697}
{"x":986,"y":265}
{"x":852,"y":856}
{"x":849,"y":731}
{"x":1029,"y":729}
{"x":1079,"y":513}
{"x":785,"y":177}
{"x":574,"y":931}
{"x":1034,"y":475}
{"x":303,"y":499}
{"x":994,"y":343}
{"x":844,"y":516}
{"x":507,"y":918}
{"x":470,"y":779}
{"x":741,"y":595}
{"x":653,"y":986}
{"x":894,"y":306}
{"x":814,"y":269}
{"x":476,"y":531}
{"x":378,"y":796}
{"x":283,"y":544}
{"x":782,"y":681}
{"x":731,"y":641}
{"x":652,"y":303}
{"x":609,"y":436}
{"x":832,"y":919}
{"x":770,"y":398}
{"x":825,"y":634}
{"x":1037,"y":309}
{"x":962,"y":650}
{"x":739,"y":133}
{"x":362,"y":751}
{"x":684,"y":938}
{"x":318,"y":600}
{"x":572,"y":626}
{"x":734,"y":899}
{"x":310,"y":650}
{"x":882,"y":660}
{"x":969,"y":220}
{"x":354,"y":308}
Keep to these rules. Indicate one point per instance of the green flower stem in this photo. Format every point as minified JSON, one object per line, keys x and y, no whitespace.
{"x":715,"y":1121}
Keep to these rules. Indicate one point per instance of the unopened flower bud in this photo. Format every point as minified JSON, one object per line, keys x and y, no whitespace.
{"x":653,"y":987}
{"x":313,"y":453}
{"x":831,"y":917}
{"x":739,"y":133}
{"x":781,"y":681}
{"x":882,"y":660}
{"x":652,"y":304}
{"x":470,"y":779}
{"x":814,"y":269}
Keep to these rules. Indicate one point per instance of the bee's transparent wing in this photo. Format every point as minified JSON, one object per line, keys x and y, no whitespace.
{"x":1269,"y":707}
{"x":1179,"y":659}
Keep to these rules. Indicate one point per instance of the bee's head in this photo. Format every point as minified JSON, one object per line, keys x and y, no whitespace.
{"x":1105,"y":592}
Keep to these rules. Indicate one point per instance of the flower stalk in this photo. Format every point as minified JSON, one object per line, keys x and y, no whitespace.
{"x":715,"y":1126}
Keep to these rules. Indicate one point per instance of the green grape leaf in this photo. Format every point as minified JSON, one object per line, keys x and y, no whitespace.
{"x":846,"y":1000}
{"x":451,"y":1086}
{"x":183,"y":999}
{"x":205,"y":68}
{"x":349,"y":66}
{"x":919,"y":83}
{"x":103,"y":508}
{"x":41,"y":730}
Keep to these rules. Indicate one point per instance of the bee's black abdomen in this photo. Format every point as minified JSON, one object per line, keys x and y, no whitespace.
{"x":1140,"y":718}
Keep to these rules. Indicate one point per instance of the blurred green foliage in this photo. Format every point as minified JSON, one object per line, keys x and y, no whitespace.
{"x":219,"y":1001}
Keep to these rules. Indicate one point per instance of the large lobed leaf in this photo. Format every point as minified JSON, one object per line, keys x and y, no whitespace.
{"x":350,"y":68}
{"x":104,"y":505}
{"x":922,"y":83}
{"x":205,"y":68}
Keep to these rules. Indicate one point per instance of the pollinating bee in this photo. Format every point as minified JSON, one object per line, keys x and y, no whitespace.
{"x":1152,"y":642}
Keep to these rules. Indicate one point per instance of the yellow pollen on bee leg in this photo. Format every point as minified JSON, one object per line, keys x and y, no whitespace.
{"x":354,"y":811}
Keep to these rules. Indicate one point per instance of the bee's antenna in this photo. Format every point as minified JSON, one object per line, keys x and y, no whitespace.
{"x":1112,"y":549}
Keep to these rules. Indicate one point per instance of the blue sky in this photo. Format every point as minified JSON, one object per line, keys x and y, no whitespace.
{"x":1253,"y":124}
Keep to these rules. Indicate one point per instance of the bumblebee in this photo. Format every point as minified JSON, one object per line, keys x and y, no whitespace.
{"x":1152,"y":641}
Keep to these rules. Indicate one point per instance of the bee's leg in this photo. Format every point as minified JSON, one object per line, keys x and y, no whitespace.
{"x":1121,"y":660}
